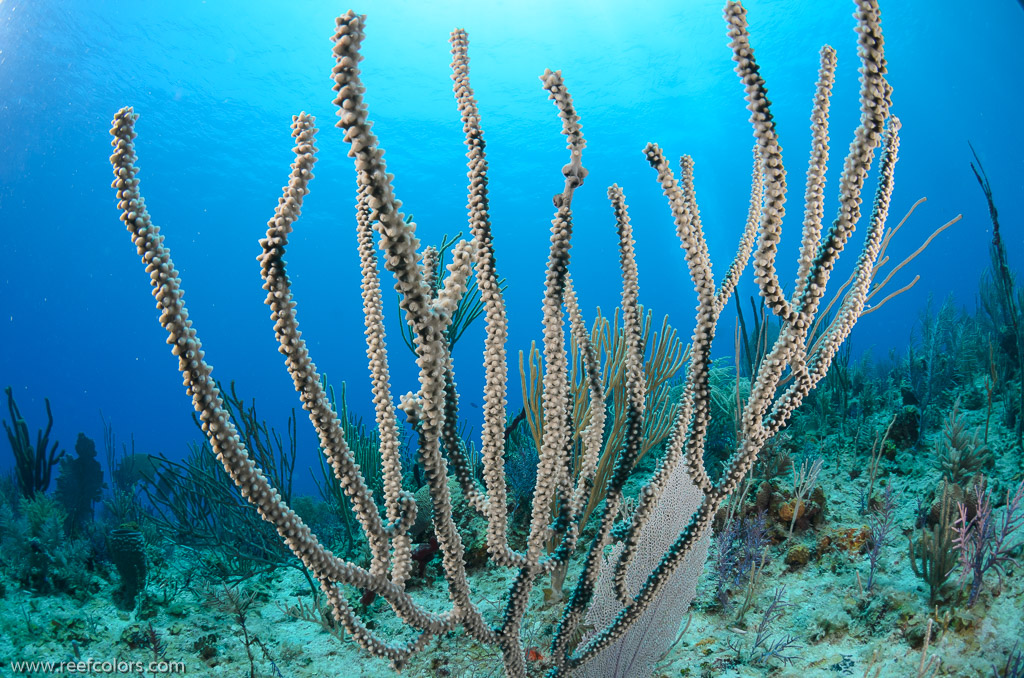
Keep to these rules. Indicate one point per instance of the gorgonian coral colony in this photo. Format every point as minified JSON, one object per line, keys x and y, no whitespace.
{"x":433,"y":410}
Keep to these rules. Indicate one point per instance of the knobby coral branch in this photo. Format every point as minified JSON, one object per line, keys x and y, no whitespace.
{"x":429,"y":304}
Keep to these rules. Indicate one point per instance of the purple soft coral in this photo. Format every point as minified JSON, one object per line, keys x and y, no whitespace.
{"x":984,"y":542}
{"x":881,"y":527}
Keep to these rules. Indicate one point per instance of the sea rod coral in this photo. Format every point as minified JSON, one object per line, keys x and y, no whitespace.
{"x":432,"y":410}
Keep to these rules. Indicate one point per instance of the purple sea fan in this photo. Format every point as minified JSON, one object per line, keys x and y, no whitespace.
{"x":983,"y":542}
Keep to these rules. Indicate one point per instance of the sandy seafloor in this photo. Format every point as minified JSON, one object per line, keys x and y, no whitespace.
{"x":840,"y":630}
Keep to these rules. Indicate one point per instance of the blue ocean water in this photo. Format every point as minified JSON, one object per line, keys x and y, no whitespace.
{"x":216,"y":84}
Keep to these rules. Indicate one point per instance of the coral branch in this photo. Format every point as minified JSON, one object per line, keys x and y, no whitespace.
{"x":644,"y":577}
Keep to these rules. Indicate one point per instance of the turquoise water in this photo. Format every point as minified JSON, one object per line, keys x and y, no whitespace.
{"x":216,"y":85}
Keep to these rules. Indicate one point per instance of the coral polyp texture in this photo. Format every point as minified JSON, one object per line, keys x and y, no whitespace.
{"x":634,"y":577}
